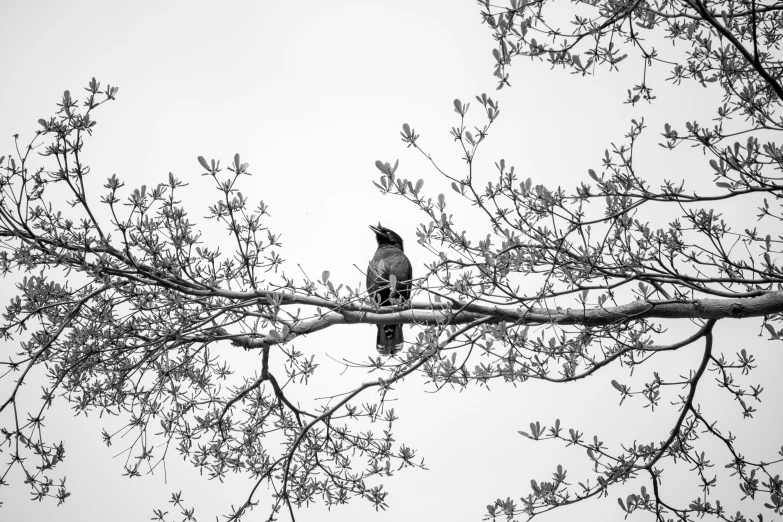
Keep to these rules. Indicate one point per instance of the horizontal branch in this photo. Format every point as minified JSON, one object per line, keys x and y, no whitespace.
{"x":429,"y":314}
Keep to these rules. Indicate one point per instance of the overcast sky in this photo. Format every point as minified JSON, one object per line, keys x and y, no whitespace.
{"x":311,"y":94}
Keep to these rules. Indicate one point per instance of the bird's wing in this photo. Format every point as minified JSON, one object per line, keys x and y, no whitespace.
{"x":406,"y":276}
{"x":370,"y":278}
{"x":372,"y":272}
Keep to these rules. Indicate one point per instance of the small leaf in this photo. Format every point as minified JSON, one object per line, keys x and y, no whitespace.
{"x":325,"y":276}
{"x":771,"y":331}
{"x":203,"y":162}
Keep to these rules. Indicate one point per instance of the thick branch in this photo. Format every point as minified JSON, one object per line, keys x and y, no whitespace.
{"x":751,"y":59}
{"x":423,"y":313}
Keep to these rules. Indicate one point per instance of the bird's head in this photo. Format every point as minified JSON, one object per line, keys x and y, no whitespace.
{"x":385,"y":236}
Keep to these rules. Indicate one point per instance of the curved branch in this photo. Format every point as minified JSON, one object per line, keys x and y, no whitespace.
{"x":688,"y":404}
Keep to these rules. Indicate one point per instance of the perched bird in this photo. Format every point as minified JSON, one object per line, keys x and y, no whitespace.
{"x":389,"y":260}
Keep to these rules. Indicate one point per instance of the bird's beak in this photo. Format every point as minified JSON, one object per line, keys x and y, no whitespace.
{"x":375,"y":229}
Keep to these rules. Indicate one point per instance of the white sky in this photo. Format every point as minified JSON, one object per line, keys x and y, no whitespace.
{"x":311,"y":94}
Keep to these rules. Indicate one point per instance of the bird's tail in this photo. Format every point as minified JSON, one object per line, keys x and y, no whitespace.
{"x":389,"y":340}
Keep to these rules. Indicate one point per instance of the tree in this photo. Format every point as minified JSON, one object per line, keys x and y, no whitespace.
{"x":135,"y":329}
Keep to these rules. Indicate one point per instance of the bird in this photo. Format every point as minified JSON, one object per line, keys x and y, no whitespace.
{"x":389,"y":260}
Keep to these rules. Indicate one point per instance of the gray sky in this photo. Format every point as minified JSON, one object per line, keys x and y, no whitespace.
{"x":311,"y":94}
